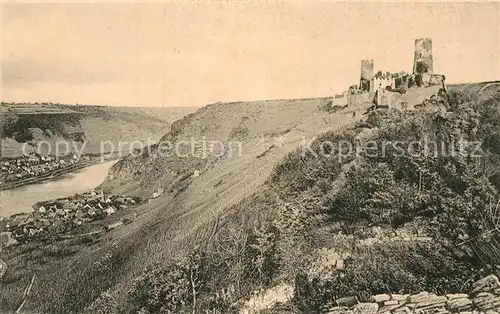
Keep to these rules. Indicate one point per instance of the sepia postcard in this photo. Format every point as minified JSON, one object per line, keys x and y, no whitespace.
{"x":213,"y":157}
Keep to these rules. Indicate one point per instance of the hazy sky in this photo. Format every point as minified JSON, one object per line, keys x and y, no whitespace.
{"x":191,"y":54}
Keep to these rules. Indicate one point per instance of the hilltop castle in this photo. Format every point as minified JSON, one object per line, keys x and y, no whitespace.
{"x":372,"y":84}
{"x":422,"y":76}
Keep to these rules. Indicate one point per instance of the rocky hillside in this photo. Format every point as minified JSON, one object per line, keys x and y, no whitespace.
{"x":258,"y":222}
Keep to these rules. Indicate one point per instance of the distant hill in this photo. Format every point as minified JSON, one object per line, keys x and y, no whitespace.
{"x":168,"y":114}
{"x":33,"y":123}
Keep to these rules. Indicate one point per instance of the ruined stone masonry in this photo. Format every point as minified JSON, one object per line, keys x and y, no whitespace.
{"x":483,"y":299}
{"x":366,"y":75}
{"x":367,"y":69}
{"x":379,"y":87}
{"x":423,"y":56}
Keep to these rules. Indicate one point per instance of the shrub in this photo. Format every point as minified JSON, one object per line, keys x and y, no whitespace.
{"x":171,"y":288}
{"x":309,"y":294}
{"x":402,"y":268}
{"x":372,"y":193}
{"x":386,"y":268}
{"x":262,"y":253}
{"x":105,"y":304}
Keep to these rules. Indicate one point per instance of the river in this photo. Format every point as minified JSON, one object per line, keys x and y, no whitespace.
{"x":20,"y":200}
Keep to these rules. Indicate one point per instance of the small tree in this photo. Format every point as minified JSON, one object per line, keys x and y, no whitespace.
{"x":173,"y":288}
{"x":263,"y":252}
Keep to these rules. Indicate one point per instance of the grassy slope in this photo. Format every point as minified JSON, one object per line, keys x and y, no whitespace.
{"x":169,"y":223}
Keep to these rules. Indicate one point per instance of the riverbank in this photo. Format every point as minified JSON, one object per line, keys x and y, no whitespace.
{"x":21,"y":199}
{"x":59,"y":216}
{"x":57,"y":173}
{"x":48,"y":176}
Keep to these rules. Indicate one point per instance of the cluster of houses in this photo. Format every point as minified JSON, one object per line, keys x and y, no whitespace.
{"x":62,"y":215}
{"x":34,"y":165}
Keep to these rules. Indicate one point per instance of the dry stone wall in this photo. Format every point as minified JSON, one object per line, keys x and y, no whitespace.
{"x":483,"y":299}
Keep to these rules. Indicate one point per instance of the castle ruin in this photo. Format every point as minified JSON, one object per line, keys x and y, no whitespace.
{"x":366,"y":74}
{"x":377,"y":86}
{"x":423,"y":69}
{"x":423,"y":56}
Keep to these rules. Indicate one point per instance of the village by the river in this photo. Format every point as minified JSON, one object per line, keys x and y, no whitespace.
{"x":22,"y":199}
{"x":53,"y":208}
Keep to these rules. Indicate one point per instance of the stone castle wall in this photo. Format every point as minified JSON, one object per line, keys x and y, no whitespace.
{"x":359,"y":99}
{"x":353,"y":100}
{"x":483,"y":299}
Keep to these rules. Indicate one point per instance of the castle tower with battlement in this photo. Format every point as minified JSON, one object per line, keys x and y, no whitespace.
{"x":423,"y":56}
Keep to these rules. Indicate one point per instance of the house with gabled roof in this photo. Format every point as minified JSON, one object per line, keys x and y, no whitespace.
{"x":92,"y":211}
{"x":79,"y":213}
{"x":79,"y":205}
{"x":69,"y":207}
{"x":60,"y":212}
{"x":110,"y":210}
{"x":53,"y":208}
{"x":32,"y":232}
{"x":42,"y":209}
{"x":45,"y":223}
